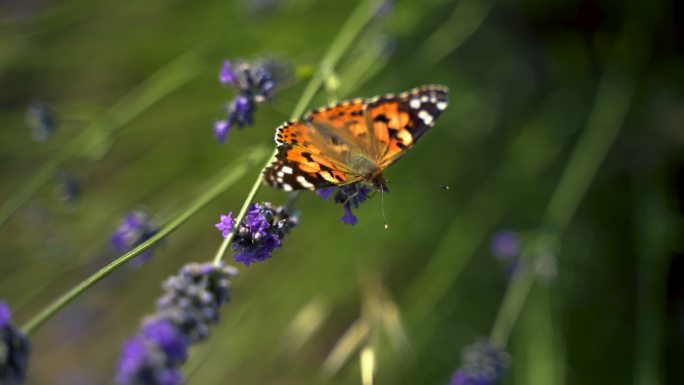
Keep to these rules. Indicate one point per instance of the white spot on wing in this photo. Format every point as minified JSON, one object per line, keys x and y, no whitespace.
{"x":415,"y":104}
{"x":441,"y":106}
{"x":424,"y":98}
{"x":305,"y":183}
{"x":286,"y":169}
{"x":287,"y":187}
{"x":425,"y":116}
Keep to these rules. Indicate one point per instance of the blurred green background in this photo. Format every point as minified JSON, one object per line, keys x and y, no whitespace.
{"x":134,"y":91}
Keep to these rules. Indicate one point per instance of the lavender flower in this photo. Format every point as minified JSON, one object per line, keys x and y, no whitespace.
{"x":483,"y":364}
{"x":190,"y":304}
{"x":134,"y":229}
{"x":505,"y":244}
{"x":349,"y":197}
{"x":260,"y":232}
{"x":255,"y":83}
{"x":225,"y":226}
{"x":14,"y":349}
{"x":40,"y":120}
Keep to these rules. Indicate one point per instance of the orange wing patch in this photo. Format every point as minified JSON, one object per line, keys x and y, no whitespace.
{"x":399,"y":121}
{"x":301,"y":164}
{"x":343,"y":126}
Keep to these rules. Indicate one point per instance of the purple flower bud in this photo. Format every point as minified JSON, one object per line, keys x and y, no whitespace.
{"x":226,"y":75}
{"x":142,"y":363}
{"x":221,"y":129}
{"x":241,"y":111}
{"x":165,"y":335}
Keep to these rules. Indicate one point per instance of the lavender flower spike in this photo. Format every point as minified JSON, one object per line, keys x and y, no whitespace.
{"x":255,"y":83}
{"x":190,"y":304}
{"x":14,"y":349}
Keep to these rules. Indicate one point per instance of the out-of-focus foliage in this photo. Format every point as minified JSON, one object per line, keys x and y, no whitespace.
{"x":133,"y":92}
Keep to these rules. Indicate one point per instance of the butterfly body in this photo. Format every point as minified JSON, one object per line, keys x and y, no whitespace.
{"x":353,"y":141}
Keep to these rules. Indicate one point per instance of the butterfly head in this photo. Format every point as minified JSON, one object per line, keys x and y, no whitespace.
{"x":379,"y":183}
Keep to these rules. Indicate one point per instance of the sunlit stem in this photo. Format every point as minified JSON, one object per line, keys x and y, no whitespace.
{"x":234,"y":173}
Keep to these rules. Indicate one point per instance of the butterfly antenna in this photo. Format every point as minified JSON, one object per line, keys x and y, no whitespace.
{"x":382,"y":205}
{"x":440,"y":186}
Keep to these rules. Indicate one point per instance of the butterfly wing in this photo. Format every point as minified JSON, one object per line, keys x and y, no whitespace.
{"x":306,"y":160}
{"x":322,"y":151}
{"x":342,"y":129}
{"x":397,"y":122}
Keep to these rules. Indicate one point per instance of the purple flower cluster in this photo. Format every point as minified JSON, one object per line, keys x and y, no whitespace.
{"x":483,"y":364}
{"x":40,"y":120}
{"x":260,"y":232}
{"x":349,"y":197}
{"x":14,"y":349}
{"x":137,"y":227}
{"x":255,"y":83}
{"x":190,"y":304}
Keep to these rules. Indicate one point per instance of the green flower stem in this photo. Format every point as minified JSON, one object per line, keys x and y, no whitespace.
{"x":611,"y":105}
{"x":96,"y":139}
{"x":363,"y":13}
{"x":235,"y":172}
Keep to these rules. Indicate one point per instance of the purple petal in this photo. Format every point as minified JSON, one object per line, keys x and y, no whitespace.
{"x":5,"y":314}
{"x":348,"y":217}
{"x":165,"y":335}
{"x":221,"y":129}
{"x":225,"y":226}
{"x":325,"y":192}
{"x":226,"y":75}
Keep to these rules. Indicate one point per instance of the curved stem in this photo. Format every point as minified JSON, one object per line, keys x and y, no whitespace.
{"x":361,"y":15}
{"x":236,"y":172}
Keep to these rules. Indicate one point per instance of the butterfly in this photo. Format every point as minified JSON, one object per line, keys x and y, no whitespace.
{"x":353,"y":141}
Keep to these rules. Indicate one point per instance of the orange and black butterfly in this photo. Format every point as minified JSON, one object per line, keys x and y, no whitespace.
{"x":353,"y":141}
